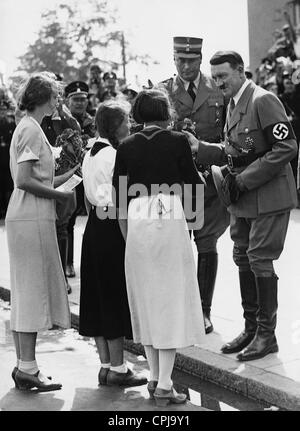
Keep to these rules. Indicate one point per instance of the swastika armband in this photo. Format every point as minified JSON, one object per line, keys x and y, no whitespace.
{"x":279,"y":132}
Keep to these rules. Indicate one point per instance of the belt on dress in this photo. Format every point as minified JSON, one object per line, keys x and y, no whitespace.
{"x":104,"y":208}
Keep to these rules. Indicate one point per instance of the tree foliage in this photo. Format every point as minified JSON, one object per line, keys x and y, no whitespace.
{"x":70,"y":38}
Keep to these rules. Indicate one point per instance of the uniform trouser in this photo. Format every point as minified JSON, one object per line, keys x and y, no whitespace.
{"x":258,"y":241}
{"x":64,"y":212}
{"x":216,"y":221}
{"x":79,"y":205}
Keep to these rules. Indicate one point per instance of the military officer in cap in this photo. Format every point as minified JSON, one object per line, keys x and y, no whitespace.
{"x":76,"y":94}
{"x":258,"y":186}
{"x":195,"y":96}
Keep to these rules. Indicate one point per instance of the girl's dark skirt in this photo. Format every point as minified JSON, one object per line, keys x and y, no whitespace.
{"x":104,"y":309}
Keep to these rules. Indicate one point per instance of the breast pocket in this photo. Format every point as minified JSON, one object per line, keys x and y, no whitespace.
{"x":215,"y":111}
{"x":251,"y":139}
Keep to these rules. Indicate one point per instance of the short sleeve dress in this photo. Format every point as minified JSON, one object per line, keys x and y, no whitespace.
{"x":38,"y":288}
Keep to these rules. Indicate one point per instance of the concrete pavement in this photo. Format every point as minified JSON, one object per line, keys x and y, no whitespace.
{"x":275,"y":378}
{"x":73,"y":361}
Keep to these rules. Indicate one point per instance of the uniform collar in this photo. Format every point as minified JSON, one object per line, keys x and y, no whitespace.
{"x":187,"y":83}
{"x":238,"y":95}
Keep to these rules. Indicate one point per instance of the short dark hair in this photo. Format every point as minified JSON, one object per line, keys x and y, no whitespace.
{"x":231,"y":57}
{"x":37,"y":90}
{"x":109,"y":117}
{"x":151,"y":105}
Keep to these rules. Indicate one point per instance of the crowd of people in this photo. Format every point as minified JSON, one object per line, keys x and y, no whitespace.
{"x":138,"y":275}
{"x":279,"y":73}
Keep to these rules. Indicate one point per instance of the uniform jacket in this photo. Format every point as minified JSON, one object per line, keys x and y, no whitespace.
{"x":207,"y":111}
{"x":87,"y":124}
{"x":259,"y":121}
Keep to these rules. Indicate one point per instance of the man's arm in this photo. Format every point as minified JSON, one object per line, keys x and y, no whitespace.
{"x":206,"y":153}
{"x":67,"y":120}
{"x":280,"y":136}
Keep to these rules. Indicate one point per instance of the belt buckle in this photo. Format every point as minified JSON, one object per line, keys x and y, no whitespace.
{"x":230,"y":161}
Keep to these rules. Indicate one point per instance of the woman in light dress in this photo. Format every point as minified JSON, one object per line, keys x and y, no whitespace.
{"x":38,"y":287}
{"x":161,"y":278}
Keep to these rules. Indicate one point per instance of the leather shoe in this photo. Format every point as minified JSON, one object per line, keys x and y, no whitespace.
{"x":207,"y":324}
{"x":70,"y":272}
{"x":258,"y":348}
{"x":164,"y":397}
{"x":102,"y":376}
{"x":29,"y":381}
{"x":13,"y":374}
{"x":239,"y":343}
{"x":125,"y":379}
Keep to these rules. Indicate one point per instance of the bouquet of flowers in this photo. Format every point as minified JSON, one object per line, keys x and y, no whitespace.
{"x":71,"y":151}
{"x":185,"y":124}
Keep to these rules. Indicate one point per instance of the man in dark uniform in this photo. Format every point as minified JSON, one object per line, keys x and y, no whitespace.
{"x":195,"y":96}
{"x":53,"y":126}
{"x":76,"y":94}
{"x":259,"y":188}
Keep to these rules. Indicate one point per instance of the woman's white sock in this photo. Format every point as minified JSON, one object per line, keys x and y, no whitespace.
{"x":120,"y":369}
{"x":29,"y":367}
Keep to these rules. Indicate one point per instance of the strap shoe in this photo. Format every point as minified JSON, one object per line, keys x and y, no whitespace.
{"x":13,"y":375}
{"x":164,"y":397}
{"x":102,"y":376}
{"x":151,"y":388}
{"x":31,"y":381}
{"x":125,"y":379}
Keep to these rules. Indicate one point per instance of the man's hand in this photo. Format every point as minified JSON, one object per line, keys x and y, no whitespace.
{"x":193,"y":141}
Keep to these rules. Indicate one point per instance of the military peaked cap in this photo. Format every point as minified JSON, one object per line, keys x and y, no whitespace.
{"x":187,"y":47}
{"x":109,"y":75}
{"x":76,"y":87}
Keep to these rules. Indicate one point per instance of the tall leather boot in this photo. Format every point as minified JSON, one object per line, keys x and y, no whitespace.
{"x":264,"y":341}
{"x":206,"y":273}
{"x":70,"y":256}
{"x":250,"y":307}
{"x":63,"y":248}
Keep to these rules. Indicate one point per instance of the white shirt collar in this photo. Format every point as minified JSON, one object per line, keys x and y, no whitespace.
{"x":238,"y":95}
{"x":187,"y":83}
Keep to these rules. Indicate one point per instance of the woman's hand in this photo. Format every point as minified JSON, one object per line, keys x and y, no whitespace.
{"x":63,"y":196}
{"x":60,"y":179}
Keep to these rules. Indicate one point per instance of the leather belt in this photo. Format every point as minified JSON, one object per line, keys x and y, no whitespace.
{"x":238,"y":162}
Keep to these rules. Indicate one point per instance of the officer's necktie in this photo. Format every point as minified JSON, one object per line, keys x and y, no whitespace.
{"x":191,"y":91}
{"x":231,"y":108}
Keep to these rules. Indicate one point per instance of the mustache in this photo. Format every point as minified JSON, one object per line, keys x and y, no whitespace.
{"x":222,"y":87}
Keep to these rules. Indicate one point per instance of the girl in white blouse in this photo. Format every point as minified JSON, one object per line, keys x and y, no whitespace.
{"x":104,"y":311}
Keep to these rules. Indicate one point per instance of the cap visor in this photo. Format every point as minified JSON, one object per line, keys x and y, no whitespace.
{"x":78,"y":93}
{"x":186,"y":55}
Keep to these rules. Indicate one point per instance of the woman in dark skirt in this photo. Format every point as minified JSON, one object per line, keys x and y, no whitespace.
{"x":104,"y":312}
